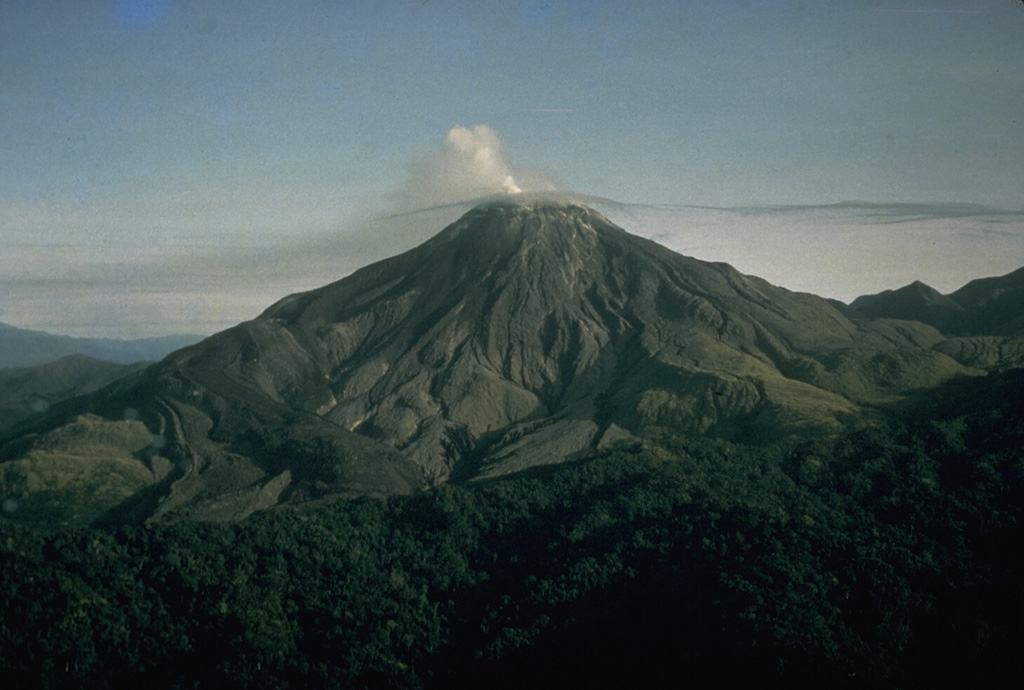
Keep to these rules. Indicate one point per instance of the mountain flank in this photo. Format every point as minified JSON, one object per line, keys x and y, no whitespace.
{"x":523,"y":334}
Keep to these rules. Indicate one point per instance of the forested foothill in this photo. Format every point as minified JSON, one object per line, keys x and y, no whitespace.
{"x":884,"y":557}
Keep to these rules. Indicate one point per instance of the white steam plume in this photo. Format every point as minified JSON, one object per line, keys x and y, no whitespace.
{"x":470,"y":164}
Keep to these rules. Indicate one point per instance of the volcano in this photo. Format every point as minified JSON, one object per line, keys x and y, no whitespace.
{"x":523,"y":334}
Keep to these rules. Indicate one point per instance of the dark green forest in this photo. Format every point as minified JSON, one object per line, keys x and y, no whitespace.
{"x":887,"y":557}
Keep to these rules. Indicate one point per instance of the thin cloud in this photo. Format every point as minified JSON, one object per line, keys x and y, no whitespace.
{"x":932,"y":11}
{"x":895,"y":212}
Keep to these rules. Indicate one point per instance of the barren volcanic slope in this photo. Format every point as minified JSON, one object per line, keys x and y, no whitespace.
{"x":522,"y":334}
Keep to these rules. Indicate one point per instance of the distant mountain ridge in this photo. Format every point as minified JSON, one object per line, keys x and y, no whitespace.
{"x":20,"y":347}
{"x":983,"y":307}
{"x":915,"y":302}
{"x":523,"y":334}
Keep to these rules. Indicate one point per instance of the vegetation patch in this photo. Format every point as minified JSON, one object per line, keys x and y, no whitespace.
{"x":75,"y":473}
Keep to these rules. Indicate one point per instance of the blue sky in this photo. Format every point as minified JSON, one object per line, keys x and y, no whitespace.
{"x":170,"y":166}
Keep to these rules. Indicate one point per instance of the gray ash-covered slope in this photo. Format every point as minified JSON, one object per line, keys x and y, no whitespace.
{"x":522,"y":334}
{"x":528,"y":318}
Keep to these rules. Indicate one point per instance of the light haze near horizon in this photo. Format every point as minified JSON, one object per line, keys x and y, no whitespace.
{"x":171,"y":166}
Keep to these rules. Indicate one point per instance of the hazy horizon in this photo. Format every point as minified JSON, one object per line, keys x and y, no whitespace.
{"x":174,"y":167}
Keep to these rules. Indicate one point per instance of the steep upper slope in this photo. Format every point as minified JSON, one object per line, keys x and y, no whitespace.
{"x":524,"y":333}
